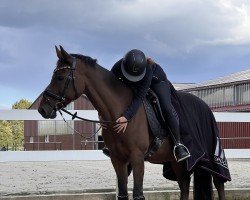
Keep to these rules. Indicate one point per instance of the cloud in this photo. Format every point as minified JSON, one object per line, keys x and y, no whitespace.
{"x":186,"y":37}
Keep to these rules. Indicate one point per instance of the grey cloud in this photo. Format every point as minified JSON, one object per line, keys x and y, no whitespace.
{"x":183,"y":36}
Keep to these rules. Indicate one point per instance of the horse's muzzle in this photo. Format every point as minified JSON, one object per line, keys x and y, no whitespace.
{"x":47,"y":111}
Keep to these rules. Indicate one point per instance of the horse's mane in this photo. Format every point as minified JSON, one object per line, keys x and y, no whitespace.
{"x":114,"y":83}
{"x":86,"y":59}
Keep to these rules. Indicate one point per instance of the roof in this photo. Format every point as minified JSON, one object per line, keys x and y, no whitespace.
{"x":241,"y":76}
{"x":182,"y":86}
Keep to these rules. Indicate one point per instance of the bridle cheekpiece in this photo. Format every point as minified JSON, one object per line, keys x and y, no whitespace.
{"x":62,"y":97}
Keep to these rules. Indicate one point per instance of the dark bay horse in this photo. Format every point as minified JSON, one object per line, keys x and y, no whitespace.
{"x":78,"y":74}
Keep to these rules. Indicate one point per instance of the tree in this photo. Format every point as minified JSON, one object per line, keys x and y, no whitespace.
{"x":5,"y":134}
{"x":22,"y":104}
{"x":17,"y":127}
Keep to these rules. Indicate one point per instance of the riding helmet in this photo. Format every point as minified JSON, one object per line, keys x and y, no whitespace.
{"x":134,"y":65}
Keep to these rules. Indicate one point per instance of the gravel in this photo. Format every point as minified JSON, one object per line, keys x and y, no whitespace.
{"x":21,"y":178}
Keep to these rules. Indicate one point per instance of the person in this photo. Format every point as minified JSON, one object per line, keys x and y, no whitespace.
{"x":141,"y":73}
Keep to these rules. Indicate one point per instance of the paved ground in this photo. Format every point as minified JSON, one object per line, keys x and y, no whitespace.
{"x":79,"y":176}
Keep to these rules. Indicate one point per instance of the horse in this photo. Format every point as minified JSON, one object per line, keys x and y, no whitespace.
{"x":77,"y":74}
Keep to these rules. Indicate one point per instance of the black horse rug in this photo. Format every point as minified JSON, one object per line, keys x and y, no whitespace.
{"x":199,"y":132}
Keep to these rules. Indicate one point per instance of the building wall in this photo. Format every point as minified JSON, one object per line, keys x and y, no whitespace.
{"x":235,"y":135}
{"x":83,"y":104}
{"x":229,"y":97}
{"x":82,"y":140}
{"x":217,"y":96}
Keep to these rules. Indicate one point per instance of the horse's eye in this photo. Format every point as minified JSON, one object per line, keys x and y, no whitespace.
{"x":59,"y":78}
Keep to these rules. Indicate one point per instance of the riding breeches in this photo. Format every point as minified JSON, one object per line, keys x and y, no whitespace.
{"x":162,"y":89}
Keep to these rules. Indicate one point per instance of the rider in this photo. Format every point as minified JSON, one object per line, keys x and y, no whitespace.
{"x":140,"y":73}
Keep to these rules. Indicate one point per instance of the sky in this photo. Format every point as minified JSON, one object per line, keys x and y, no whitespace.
{"x":193,"y":40}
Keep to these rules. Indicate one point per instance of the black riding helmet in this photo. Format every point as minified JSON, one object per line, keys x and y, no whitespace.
{"x":134,"y":65}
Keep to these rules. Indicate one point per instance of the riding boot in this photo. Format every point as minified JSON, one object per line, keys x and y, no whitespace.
{"x":180,"y":151}
{"x":105,"y":150}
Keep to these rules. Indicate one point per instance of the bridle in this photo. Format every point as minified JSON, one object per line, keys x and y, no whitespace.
{"x":62,"y":97}
{"x":60,"y":105}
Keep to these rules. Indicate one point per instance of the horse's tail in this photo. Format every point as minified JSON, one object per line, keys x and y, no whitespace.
{"x":202,"y":185}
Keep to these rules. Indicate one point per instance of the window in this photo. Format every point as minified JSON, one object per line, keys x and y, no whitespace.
{"x":243,"y":92}
{"x":46,"y":139}
{"x":229,"y":95}
{"x":47,"y":127}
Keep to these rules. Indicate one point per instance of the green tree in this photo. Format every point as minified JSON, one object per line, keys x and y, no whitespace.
{"x":17,"y":127}
{"x":5,"y":134}
{"x":22,"y":104}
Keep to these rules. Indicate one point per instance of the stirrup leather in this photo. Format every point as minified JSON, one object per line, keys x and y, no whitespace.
{"x":177,"y":145}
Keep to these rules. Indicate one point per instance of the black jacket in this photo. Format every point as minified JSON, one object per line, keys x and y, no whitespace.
{"x":154,"y":74}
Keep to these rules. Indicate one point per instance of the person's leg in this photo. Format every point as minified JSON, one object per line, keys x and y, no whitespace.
{"x":162,"y":89}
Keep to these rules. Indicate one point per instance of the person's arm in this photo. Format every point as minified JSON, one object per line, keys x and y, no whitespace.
{"x":139,"y":95}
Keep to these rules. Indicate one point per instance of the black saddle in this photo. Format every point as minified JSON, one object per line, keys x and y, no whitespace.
{"x":156,"y":122}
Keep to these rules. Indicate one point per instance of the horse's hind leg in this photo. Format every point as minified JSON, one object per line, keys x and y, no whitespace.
{"x":219,"y":185}
{"x":184,"y":187}
{"x":202,"y":185}
{"x":183,"y":179}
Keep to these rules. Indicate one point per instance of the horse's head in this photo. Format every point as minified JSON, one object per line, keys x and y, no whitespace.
{"x":65,"y":85}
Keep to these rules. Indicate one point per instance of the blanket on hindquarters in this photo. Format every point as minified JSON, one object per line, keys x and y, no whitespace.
{"x":199,"y":132}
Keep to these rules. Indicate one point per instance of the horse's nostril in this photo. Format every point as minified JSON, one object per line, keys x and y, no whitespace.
{"x":47,"y":111}
{"x":43,"y":112}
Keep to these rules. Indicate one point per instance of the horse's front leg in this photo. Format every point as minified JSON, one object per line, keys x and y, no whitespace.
{"x":122,"y":177}
{"x":137,"y":162}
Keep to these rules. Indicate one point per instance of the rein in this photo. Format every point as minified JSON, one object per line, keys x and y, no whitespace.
{"x":81,"y":134}
{"x":75,"y":116}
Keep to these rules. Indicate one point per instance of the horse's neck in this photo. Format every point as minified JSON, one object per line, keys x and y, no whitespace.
{"x":108,"y":95}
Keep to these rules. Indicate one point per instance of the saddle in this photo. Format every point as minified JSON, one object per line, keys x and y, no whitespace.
{"x":156,"y":122}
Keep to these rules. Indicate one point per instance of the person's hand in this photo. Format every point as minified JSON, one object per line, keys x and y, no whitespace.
{"x":121,"y":126}
{"x":104,"y":126}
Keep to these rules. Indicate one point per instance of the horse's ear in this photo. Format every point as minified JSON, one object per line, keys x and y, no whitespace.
{"x":58,"y":53}
{"x":65,"y":55}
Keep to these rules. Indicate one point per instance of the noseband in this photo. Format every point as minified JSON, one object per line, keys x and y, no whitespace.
{"x":62,"y":98}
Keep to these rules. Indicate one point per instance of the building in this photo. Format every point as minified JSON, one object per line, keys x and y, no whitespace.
{"x":227,"y":94}
{"x":58,"y":135}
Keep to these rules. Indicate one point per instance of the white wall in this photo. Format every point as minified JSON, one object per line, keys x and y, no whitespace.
{"x":31,"y":156}
{"x":76,"y":155}
{"x":8,"y":156}
{"x":24,"y":114}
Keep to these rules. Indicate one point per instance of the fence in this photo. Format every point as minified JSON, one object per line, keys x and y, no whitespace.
{"x":92,"y":114}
